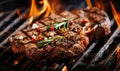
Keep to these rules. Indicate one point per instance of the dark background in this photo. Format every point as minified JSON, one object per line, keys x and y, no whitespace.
{"x":12,"y":4}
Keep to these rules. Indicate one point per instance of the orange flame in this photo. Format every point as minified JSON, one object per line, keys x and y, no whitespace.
{"x":97,"y":4}
{"x":33,"y":9}
{"x":100,"y":4}
{"x":64,"y":68}
{"x":18,"y":12}
{"x":46,"y":8}
{"x":118,"y":52}
{"x":115,"y":14}
{"x":16,"y":61}
{"x":89,"y":3}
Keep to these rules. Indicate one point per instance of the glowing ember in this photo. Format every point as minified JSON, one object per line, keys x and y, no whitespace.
{"x":89,"y":3}
{"x":115,"y":14}
{"x":64,"y":68}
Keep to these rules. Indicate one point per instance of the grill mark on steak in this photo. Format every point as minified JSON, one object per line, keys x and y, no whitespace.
{"x":46,"y":21}
{"x":65,"y":44}
{"x":56,"y":17}
{"x":95,"y":11}
{"x":97,"y":17}
{"x":68,"y":15}
{"x":76,"y":39}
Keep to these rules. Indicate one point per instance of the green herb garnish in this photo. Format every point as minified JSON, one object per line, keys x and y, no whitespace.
{"x":49,"y":41}
{"x":58,"y":25}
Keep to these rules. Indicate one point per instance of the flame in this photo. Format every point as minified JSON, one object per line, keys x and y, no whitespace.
{"x":47,"y":8}
{"x":115,"y":14}
{"x":54,"y":4}
{"x":33,"y":9}
{"x":118,"y":52}
{"x":97,"y":4}
{"x":16,"y":61}
{"x":64,"y":68}
{"x":89,"y":3}
{"x":30,"y":20}
{"x":100,"y":4}
{"x":18,"y":12}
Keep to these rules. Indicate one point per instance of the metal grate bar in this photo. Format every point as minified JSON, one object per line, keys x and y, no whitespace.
{"x":1,"y":14}
{"x":21,"y":27}
{"x":87,"y":52}
{"x":6,"y":68}
{"x":46,"y":66}
{"x":105,"y":47}
{"x":82,"y":57}
{"x":26,"y":66}
{"x":60,"y":67}
{"x":12,"y":24}
{"x":118,"y":66}
{"x":7,"y":18}
{"x":109,"y":58}
{"x":5,"y":51}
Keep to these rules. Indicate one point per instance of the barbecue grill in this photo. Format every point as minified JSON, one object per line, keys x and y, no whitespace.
{"x":100,"y":55}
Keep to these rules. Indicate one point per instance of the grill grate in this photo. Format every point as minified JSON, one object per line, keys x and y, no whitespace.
{"x":100,"y":54}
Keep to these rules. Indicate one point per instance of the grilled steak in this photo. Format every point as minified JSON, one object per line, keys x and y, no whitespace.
{"x":62,"y":36}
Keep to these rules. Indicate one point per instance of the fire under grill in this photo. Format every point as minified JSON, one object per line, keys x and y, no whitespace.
{"x":100,"y":55}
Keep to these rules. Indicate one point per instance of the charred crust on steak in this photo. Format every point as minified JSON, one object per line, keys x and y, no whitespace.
{"x":82,"y":27}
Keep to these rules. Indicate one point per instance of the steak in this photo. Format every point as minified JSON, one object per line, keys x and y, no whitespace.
{"x":61,"y":36}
